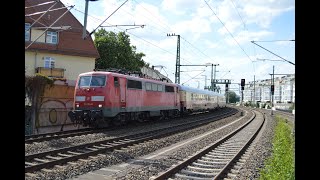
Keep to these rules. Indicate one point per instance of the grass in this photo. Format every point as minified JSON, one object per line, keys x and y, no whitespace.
{"x":280,"y":165}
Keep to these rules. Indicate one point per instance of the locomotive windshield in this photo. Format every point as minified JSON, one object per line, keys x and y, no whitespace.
{"x":90,"y":81}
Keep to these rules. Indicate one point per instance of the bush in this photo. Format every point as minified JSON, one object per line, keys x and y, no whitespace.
{"x":292,"y":107}
{"x":281,"y":163}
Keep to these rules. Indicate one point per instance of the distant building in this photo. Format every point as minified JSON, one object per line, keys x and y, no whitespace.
{"x":154,"y":74}
{"x":284,"y":91}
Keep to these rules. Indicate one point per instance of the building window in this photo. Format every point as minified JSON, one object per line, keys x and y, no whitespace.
{"x":27,"y":31}
{"x":52,"y":37}
{"x":48,"y":62}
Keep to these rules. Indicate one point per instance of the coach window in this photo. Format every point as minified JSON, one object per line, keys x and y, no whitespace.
{"x":116,"y":81}
{"x":159,"y":87}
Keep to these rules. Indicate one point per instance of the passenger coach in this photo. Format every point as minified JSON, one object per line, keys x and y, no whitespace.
{"x":194,"y":100}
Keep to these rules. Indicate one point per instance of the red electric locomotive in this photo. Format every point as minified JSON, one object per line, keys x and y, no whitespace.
{"x":103,"y":97}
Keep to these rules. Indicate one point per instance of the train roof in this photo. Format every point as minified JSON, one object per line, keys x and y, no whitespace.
{"x":200,"y":91}
{"x":129,"y":77}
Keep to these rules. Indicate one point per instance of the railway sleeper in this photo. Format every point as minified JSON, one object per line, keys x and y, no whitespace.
{"x":204,"y":165}
{"x":53,"y":157}
{"x":64,"y":155}
{"x":41,"y":160}
{"x":29,"y":164}
{"x":232,"y":176}
{"x":74,"y":153}
{"x":203,"y":169}
{"x":197,"y":174}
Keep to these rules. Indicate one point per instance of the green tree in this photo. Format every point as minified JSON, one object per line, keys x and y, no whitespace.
{"x":233,"y":97}
{"x":116,"y":52}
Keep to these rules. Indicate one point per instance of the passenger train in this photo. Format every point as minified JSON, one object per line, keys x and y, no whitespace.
{"x":103,"y":97}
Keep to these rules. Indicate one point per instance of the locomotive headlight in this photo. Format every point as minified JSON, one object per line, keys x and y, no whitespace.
{"x":77,"y":105}
{"x":100,"y":105}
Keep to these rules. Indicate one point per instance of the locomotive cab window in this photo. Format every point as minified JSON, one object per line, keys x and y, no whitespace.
{"x":92,"y":81}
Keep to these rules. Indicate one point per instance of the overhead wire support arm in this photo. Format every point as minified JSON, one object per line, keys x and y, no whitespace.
{"x":124,"y":25}
{"x":106,"y":18}
{"x":272,"y":53}
{"x":134,"y":26}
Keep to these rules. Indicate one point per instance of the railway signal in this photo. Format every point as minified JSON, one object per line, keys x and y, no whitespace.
{"x":242,"y":84}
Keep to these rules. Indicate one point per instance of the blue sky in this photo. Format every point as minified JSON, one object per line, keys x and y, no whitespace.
{"x":213,"y":32}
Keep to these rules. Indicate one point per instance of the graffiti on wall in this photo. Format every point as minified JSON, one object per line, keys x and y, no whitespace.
{"x":55,"y":104}
{"x":54,"y":112}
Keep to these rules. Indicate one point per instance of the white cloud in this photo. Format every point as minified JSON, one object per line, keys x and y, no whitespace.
{"x":197,"y":24}
{"x":246,"y":37}
{"x":179,"y":6}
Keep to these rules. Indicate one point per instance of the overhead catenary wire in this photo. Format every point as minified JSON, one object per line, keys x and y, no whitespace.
{"x":129,"y":33}
{"x":273,"y":53}
{"x":244,"y":25}
{"x":133,"y":35}
{"x":108,"y":17}
{"x":158,"y":29}
{"x":227,"y":29}
{"x":196,"y":48}
{"x":170,"y":28}
{"x":275,"y":40}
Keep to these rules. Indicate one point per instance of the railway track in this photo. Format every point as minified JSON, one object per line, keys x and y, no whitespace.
{"x":62,"y":134}
{"x":221,"y":159}
{"x":72,"y":133}
{"x":49,"y":159}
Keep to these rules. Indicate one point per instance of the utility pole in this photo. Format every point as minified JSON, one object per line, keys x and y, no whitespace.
{"x":254,"y":90}
{"x":213,"y":84}
{"x":177,"y":74}
{"x":84,"y":30}
{"x":272,"y":89}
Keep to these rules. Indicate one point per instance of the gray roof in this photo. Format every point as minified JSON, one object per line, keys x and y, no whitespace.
{"x":200,"y":91}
